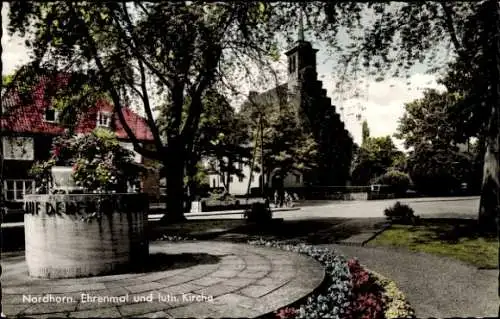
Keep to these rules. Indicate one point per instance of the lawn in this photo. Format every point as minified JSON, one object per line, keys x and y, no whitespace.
{"x":455,"y":238}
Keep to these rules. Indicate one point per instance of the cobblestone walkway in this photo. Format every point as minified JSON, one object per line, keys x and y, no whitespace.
{"x":241,"y":281}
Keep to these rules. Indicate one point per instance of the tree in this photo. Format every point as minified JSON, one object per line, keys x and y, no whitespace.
{"x":134,"y":51}
{"x":223,"y":140}
{"x":373,"y":159}
{"x":433,"y":132}
{"x":284,"y":146}
{"x":7,"y":79}
{"x":219,"y":141}
{"x":365,"y":132}
{"x":398,"y":36}
{"x":429,"y":120}
{"x":397,"y":180}
{"x":403,"y":34}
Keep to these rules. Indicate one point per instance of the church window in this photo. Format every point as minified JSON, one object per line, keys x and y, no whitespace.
{"x":293,"y":64}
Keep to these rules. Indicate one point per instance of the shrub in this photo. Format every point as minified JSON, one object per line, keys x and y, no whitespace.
{"x":398,"y":181}
{"x":100,"y":163}
{"x":259,"y":213}
{"x":41,"y":171}
{"x":401,"y":213}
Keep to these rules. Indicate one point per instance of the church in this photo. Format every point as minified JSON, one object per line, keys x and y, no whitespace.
{"x":304,"y":93}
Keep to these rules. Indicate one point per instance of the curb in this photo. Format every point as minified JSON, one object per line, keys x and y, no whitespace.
{"x":235,"y":212}
{"x":383,"y":229}
{"x":346,"y":242}
{"x":301,"y":300}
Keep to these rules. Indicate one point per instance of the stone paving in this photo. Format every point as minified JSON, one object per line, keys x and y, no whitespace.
{"x":237,"y":280}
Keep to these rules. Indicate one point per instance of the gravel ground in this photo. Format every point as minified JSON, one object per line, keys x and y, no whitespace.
{"x":435,"y":286}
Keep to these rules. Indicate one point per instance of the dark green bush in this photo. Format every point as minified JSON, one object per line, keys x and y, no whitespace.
{"x":401,"y":213}
{"x":259,"y":212}
{"x":399,"y":182}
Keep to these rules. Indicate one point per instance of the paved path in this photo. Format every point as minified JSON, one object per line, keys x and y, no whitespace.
{"x":240,"y":281}
{"x":427,"y":206}
{"x":435,"y":286}
{"x":465,"y":207}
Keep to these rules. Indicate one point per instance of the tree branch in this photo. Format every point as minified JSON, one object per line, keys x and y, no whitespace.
{"x":134,"y":47}
{"x":147,"y":108}
{"x":448,"y":19}
{"x":116,"y":99}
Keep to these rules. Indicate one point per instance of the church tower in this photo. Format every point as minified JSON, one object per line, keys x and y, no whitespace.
{"x":300,"y":56}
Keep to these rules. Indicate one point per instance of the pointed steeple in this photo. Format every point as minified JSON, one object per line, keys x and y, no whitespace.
{"x":301,"y":27}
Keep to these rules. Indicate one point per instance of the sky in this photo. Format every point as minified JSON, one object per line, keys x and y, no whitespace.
{"x":381,"y":104}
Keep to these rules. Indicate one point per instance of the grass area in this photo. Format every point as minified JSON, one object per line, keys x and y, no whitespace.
{"x":455,"y":238}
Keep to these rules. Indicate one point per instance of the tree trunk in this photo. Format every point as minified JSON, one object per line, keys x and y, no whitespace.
{"x":229,"y":165}
{"x":175,"y":187}
{"x":489,"y":207}
{"x":191,"y":184}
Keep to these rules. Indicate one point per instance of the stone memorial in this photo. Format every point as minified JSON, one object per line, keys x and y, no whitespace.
{"x":85,"y":223}
{"x":78,"y":235}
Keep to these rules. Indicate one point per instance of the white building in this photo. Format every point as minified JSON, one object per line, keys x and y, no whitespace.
{"x":239,"y":186}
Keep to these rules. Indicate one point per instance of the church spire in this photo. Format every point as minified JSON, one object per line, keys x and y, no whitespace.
{"x":301,"y":27}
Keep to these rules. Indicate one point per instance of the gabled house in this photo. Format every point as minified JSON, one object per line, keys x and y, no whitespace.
{"x":28,"y":128}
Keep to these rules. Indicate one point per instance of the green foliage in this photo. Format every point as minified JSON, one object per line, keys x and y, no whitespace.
{"x":401,"y":213}
{"x":373,"y":159}
{"x":102,"y":165}
{"x":41,"y":172}
{"x":99,"y":163}
{"x":185,"y":48}
{"x":400,"y":162}
{"x":398,"y":181}
{"x":142,"y":53}
{"x":220,"y":138}
{"x":365,"y":132}
{"x":429,"y":120}
{"x":286,"y":146}
{"x":433,"y":130}
{"x":438,"y":171}
{"x":7,"y":79}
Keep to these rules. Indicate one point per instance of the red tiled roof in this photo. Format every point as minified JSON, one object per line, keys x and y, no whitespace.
{"x":30,"y":117}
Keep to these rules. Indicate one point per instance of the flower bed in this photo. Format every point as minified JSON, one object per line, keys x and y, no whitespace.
{"x":350,"y":291}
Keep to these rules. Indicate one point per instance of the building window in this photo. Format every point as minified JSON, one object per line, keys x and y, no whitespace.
{"x":104,"y":119}
{"x":18,"y":148}
{"x":51,"y":115}
{"x":297,"y":179}
{"x":213,"y":183}
{"x":240,"y":179}
{"x":231,"y":179}
{"x":252,"y":178}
